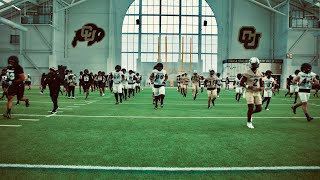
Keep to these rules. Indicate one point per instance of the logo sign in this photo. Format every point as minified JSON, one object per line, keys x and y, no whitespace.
{"x":249,"y":37}
{"x":89,"y":32}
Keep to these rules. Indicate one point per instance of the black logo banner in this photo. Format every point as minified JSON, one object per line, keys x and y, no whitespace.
{"x":249,"y":37}
{"x":89,"y":32}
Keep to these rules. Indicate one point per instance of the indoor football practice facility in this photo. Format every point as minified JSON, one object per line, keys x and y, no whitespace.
{"x":159,"y":89}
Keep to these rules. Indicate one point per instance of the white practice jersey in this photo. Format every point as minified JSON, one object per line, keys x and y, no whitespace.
{"x":131,"y":78}
{"x":117,"y":77}
{"x":219,"y":81}
{"x":238,"y":83}
{"x":306,"y":78}
{"x":159,"y":76}
{"x":268,"y":83}
{"x":125,"y":80}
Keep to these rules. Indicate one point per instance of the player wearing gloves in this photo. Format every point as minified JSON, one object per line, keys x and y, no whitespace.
{"x":159,"y":77}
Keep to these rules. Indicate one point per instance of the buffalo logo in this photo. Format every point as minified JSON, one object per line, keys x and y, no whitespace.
{"x":89,"y":32}
{"x":249,"y":37}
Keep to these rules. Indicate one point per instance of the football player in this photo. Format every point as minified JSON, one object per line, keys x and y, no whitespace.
{"x":186,"y":81}
{"x":101,"y":79}
{"x":238,"y":87}
{"x":138,"y":82}
{"x":4,"y":83}
{"x":305,"y":80}
{"x":252,"y":81}
{"x":227,"y":83}
{"x":294,"y":87}
{"x":117,"y":87}
{"x":159,"y":76}
{"x":202,"y":83}
{"x":131,"y":81}
{"x":28,"y":81}
{"x":178,"y":83}
{"x":71,"y":84}
{"x":152,"y":87}
{"x":86,"y":82}
{"x":211,"y":83}
{"x":268,"y":86}
{"x":80,"y":82}
{"x":195,"y":83}
{"x":219,"y":83}
{"x":125,"y":84}
{"x":181,"y":84}
{"x":15,"y":78}
{"x":42,"y":82}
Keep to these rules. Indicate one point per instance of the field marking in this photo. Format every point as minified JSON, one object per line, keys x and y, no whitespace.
{"x":73,"y":106}
{"x":50,"y":115}
{"x":79,"y":104}
{"x":157,"y":117}
{"x":28,"y":119}
{"x":10,"y":125}
{"x":57,"y":111}
{"x":157,"y":169}
{"x":65,"y":108}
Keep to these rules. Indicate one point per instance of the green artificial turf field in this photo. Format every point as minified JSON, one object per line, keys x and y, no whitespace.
{"x":185,"y":133}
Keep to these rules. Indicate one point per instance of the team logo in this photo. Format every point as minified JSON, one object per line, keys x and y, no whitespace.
{"x":249,"y":37}
{"x":89,"y":32}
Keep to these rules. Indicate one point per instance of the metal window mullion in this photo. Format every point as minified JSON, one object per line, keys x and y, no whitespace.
{"x":180,"y":9}
{"x":139,"y":37}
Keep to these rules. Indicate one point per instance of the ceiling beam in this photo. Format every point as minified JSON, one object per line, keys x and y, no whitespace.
{"x":12,"y":24}
{"x":266,"y":7}
{"x":15,"y":2}
{"x":72,"y":4}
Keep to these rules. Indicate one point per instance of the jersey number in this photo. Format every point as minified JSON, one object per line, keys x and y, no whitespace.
{"x":255,"y":82}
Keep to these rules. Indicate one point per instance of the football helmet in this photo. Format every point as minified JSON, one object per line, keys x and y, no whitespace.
{"x":296,"y":72}
{"x":254,"y":60}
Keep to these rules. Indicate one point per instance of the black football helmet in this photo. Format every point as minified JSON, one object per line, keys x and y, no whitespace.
{"x":306,"y":68}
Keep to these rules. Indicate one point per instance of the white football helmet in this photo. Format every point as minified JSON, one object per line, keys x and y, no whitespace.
{"x":254,"y":60}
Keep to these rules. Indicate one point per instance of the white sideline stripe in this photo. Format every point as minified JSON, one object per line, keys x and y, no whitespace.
{"x":10,"y":125}
{"x":73,"y":106}
{"x":57,"y":111}
{"x":65,"y":108}
{"x":164,"y":117}
{"x":79,"y":104}
{"x":117,"y":168}
{"x":29,"y":119}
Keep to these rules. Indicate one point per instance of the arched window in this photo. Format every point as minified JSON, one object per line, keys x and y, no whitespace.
{"x":188,"y":28}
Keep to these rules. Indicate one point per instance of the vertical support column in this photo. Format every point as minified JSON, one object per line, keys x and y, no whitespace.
{"x":200,"y":62}
{"x":180,"y":9}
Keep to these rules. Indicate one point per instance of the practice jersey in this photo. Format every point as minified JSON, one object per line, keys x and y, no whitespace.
{"x":211,"y":82}
{"x":268,"y":83}
{"x":80,"y":77}
{"x":13,"y":72}
{"x":3,"y":77}
{"x":100,"y":77}
{"x":201,"y":82}
{"x":131,"y":78}
{"x":117,"y":77}
{"x":159,"y":76}
{"x":291,"y":81}
{"x":219,"y":81}
{"x":185,"y":81}
{"x":138,"y":79}
{"x":238,"y":83}
{"x":125,"y":80}
{"x":178,"y":79}
{"x":305,"y":80}
{"x":29,"y":78}
{"x":86,"y":78}
{"x":253,"y":79}
{"x":195,"y":79}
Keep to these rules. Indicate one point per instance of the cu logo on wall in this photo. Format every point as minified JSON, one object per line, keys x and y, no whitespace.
{"x":89,"y":32}
{"x":249,"y":37}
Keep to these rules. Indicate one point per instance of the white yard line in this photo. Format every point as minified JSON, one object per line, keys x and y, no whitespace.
{"x":10,"y":125}
{"x":29,"y":119}
{"x":157,"y":117}
{"x":168,"y":169}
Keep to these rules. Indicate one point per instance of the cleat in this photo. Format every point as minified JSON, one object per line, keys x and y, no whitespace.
{"x":208,"y":106}
{"x":249,"y":125}
{"x":7,"y":115}
{"x":116,"y":103}
{"x":69,"y":97}
{"x":17,"y":103}
{"x":294,"y":110}
{"x":73,"y":97}
{"x":309,"y":119}
{"x":161,"y":105}
{"x":267,"y":109}
{"x":27,"y":103}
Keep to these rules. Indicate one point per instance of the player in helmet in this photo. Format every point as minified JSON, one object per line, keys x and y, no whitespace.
{"x":80,"y":81}
{"x":15,"y":78}
{"x":138,"y":82}
{"x":237,"y":86}
{"x":28,"y":81}
{"x":268,"y":85}
{"x":211,"y":83}
{"x":195,"y":79}
{"x":252,"y":81}
{"x":202,"y":83}
{"x":305,"y":80}
{"x":159,"y":76}
{"x":219,"y":83}
{"x":86,"y":82}
{"x":131,"y":81}
{"x":125,"y":84}
{"x":186,"y":81}
{"x":294,"y":88}
{"x":117,"y":77}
